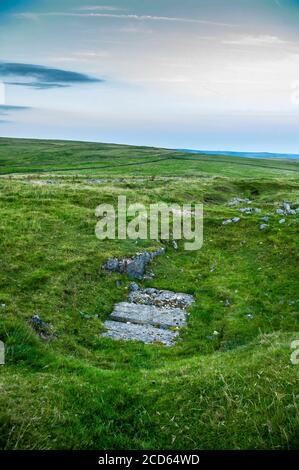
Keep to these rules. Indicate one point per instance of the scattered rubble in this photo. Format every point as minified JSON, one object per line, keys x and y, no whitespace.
{"x":236,"y":201}
{"x":150,"y":316}
{"x":134,"y":267}
{"x":134,"y":286}
{"x":40,"y":182}
{"x":246,"y":210}
{"x":161,"y":298}
{"x":227,"y":221}
{"x":235,"y":220}
{"x":95,"y":181}
{"x":250,"y":210}
{"x":286,"y":210}
{"x":44,"y":329}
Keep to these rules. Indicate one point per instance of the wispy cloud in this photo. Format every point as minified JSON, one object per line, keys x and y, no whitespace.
{"x":5,"y":109}
{"x":100,"y":8}
{"x":38,"y":85}
{"x":84,"y":56}
{"x":28,"y":16}
{"x":91,"y":54}
{"x":125,"y":17}
{"x":263,"y":40}
{"x":138,"y":29}
{"x":40,"y":77}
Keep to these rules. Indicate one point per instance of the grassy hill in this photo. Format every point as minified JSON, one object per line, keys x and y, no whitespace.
{"x":78,"y":390}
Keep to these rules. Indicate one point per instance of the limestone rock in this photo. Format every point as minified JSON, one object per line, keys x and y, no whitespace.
{"x":149,"y":315}
{"x":134,"y":267}
{"x":161,"y":298}
{"x":145,"y":333}
{"x":236,"y":201}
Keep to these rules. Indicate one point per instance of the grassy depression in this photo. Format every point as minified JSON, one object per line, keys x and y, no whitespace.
{"x":78,"y":390}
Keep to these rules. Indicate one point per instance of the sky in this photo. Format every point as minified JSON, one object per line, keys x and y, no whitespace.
{"x":197,"y":74}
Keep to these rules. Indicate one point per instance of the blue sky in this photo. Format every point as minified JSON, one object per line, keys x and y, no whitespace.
{"x":203,"y":74}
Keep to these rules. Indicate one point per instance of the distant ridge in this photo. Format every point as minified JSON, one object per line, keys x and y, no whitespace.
{"x":281,"y":156}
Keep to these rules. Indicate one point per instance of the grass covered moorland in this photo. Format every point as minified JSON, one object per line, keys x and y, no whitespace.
{"x":74,"y":389}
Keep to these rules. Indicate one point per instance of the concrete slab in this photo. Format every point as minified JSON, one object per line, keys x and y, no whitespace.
{"x":145,"y":333}
{"x":149,"y":315}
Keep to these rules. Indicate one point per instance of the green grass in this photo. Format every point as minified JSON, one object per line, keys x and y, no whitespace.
{"x":82,"y":391}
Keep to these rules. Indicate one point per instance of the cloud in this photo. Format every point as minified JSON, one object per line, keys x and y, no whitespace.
{"x":125,"y":17}
{"x":38,"y":85}
{"x":5,"y":109}
{"x":99,"y":8}
{"x":28,"y":16}
{"x":263,"y":40}
{"x":138,"y":29}
{"x":80,"y":56}
{"x":40,"y":77}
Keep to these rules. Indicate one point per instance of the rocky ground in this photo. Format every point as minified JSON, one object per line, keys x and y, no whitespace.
{"x":150,"y":316}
